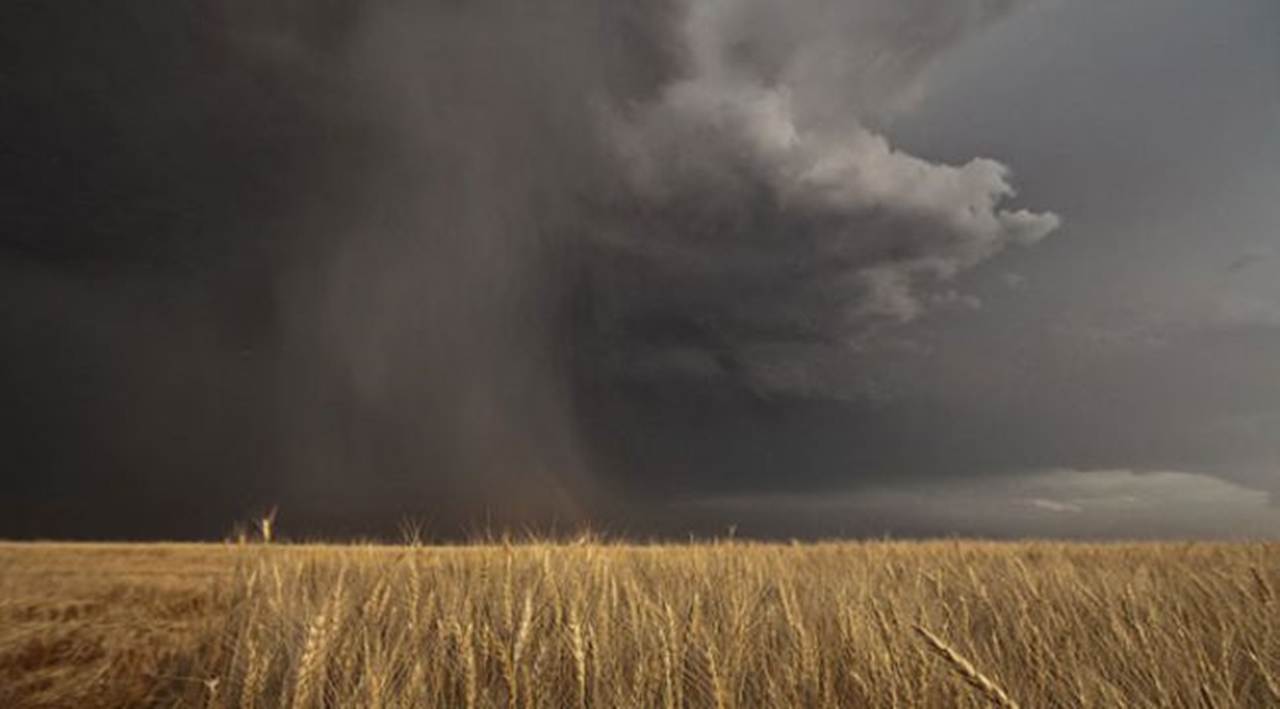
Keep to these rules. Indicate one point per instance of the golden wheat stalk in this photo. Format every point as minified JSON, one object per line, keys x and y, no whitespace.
{"x":718,"y":694}
{"x":577,"y":647}
{"x":320,"y":633}
{"x":1273,"y":687}
{"x":1265,"y":594}
{"x":254,"y":667}
{"x":309,"y":665}
{"x":965,"y":669}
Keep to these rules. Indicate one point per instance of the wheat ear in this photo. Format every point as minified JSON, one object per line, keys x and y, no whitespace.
{"x":965,"y":669}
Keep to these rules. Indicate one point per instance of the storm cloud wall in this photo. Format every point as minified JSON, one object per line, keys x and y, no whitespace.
{"x":440,"y":259}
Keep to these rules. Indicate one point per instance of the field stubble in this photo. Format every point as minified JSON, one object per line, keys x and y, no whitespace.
{"x":735,"y":624}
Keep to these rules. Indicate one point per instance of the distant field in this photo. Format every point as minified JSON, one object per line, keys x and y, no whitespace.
{"x":935,"y":624}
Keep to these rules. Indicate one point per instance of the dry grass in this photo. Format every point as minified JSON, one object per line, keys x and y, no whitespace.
{"x":597,"y":625}
{"x":101,"y":625}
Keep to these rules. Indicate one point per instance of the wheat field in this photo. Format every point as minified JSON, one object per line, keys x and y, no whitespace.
{"x":596,"y":624}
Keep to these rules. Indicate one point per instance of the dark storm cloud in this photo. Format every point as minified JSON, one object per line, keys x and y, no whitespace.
{"x":456,"y":259}
{"x":761,"y":222}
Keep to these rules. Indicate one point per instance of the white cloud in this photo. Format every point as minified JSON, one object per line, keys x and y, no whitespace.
{"x":1054,"y":505}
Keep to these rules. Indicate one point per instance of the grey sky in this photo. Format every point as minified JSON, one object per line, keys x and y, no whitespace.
{"x":1154,"y":127}
{"x":918,"y":267}
{"x":1143,"y":335}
